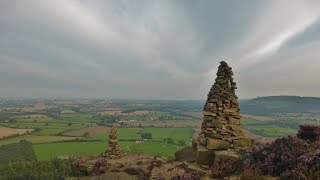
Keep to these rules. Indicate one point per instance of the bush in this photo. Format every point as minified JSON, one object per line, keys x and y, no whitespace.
{"x":224,"y":166}
{"x":100,"y":166}
{"x":309,"y":132}
{"x":146,"y":135}
{"x":17,"y":152}
{"x":53,"y":169}
{"x":290,"y":158}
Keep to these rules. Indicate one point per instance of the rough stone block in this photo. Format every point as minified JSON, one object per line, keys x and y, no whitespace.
{"x":229,"y":153}
{"x":208,"y":113}
{"x":203,"y":141}
{"x":234,"y":121}
{"x":216,"y":144}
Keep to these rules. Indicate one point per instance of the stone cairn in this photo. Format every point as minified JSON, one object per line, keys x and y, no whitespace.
{"x":220,"y":130}
{"x":113,"y":150}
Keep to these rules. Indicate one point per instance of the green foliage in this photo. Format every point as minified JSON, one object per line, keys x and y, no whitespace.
{"x":53,"y":112}
{"x":146,"y":135}
{"x":16,"y":151}
{"x":182,"y":143}
{"x":53,"y":169}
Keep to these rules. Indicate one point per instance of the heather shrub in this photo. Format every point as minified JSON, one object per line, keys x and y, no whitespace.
{"x":187,"y":176}
{"x":309,"y":132}
{"x":307,"y":167}
{"x":224,"y":166}
{"x":100,"y":166}
{"x":137,"y":171}
{"x":289,"y":158}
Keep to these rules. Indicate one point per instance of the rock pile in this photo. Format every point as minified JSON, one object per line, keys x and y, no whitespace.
{"x":113,"y":150}
{"x":221,"y":128}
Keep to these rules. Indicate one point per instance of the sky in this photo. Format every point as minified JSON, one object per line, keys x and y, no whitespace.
{"x":157,"y":49}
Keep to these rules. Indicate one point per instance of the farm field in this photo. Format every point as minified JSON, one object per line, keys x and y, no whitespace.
{"x":82,"y":130}
{"x":5,"y":131}
{"x":127,"y":138}
{"x":36,"y":139}
{"x":280,"y":127}
{"x":92,"y":131}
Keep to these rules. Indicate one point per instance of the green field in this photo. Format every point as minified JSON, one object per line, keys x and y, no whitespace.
{"x":127,"y":138}
{"x":48,"y":141}
{"x":276,"y":128}
{"x":36,"y":139}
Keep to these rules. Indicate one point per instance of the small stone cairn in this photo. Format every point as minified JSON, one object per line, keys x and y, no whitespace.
{"x":221,"y":132}
{"x":113,"y":150}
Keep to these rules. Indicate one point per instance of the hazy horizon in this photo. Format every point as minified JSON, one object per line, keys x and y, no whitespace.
{"x":152,"y":49}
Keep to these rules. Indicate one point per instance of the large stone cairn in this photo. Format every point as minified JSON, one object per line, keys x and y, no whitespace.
{"x":221,"y":128}
{"x":113,"y":150}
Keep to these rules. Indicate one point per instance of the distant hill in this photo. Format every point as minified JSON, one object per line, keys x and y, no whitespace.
{"x":275,"y":105}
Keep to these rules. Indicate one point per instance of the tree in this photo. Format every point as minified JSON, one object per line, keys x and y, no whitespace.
{"x":69,"y":123}
{"x":146,"y":135}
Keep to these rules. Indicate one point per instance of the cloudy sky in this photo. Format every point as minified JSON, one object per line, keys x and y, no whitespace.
{"x":157,"y":49}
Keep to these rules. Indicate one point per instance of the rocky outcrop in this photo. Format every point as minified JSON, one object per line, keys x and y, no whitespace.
{"x":221,"y":128}
{"x":113,"y":150}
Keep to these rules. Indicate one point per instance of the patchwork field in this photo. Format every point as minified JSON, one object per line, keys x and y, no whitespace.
{"x":37,"y":139}
{"x":93,"y":131}
{"x":278,"y":127}
{"x":129,"y":141}
{"x":4,"y":131}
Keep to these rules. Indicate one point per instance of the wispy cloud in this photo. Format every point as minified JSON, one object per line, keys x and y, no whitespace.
{"x":275,"y":27}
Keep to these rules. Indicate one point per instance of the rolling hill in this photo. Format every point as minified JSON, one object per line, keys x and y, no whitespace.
{"x":278,"y":105}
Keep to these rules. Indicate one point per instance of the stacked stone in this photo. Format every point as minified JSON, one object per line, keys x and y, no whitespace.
{"x":221,"y":128}
{"x":113,"y":150}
